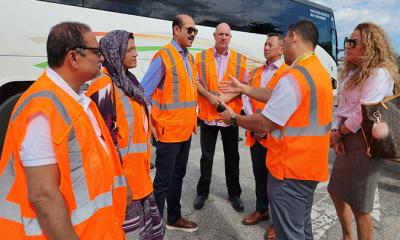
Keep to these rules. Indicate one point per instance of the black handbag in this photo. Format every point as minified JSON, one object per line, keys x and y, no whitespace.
{"x":386,"y":111}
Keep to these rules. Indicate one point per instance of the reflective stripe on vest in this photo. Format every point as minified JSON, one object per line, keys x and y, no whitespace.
{"x":313,"y":128}
{"x":85,"y":207}
{"x":175,"y":91}
{"x":173,"y":106}
{"x":251,"y":77}
{"x":175,"y":80}
{"x":191,"y":58}
{"x":8,"y":210}
{"x":238,"y":63}
{"x":203,"y":69}
{"x":132,"y":147}
{"x":45,"y":94}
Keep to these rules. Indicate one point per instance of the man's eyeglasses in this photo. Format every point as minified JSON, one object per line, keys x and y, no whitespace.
{"x":94,"y":50}
{"x":191,"y":30}
{"x":352,"y":43}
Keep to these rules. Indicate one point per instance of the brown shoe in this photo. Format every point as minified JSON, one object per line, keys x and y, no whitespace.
{"x":255,"y":218}
{"x":183,"y":225}
{"x":270,"y":233}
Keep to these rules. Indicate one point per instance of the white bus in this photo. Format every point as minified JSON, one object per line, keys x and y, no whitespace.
{"x":25,"y":25}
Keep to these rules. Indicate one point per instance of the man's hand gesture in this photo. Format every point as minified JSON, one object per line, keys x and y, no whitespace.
{"x":231,"y":86}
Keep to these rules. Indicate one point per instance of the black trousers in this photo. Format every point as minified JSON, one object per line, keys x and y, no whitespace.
{"x":260,"y":171}
{"x":208,"y":138}
{"x":171,"y":162}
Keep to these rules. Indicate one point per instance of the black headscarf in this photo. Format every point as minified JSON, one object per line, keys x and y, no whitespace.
{"x":113,"y":47}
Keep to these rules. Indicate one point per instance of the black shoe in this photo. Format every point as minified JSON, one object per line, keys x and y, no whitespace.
{"x":199,"y":202}
{"x":237,"y":204}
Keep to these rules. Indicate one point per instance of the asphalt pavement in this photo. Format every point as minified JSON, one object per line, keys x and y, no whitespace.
{"x":219,"y":221}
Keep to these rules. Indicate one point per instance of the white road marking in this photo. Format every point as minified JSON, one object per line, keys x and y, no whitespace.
{"x":324,"y":216}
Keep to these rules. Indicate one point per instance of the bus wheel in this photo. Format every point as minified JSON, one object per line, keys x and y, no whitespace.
{"x":5,"y":113}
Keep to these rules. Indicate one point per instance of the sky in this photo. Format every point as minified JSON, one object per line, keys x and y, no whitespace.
{"x":349,"y":13}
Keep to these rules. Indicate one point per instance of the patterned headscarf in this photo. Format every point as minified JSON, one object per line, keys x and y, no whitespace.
{"x":113,"y":47}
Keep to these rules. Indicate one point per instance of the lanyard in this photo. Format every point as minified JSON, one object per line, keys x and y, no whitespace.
{"x":304,"y":56}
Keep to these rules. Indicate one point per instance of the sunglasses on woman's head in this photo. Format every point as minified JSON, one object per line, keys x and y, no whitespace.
{"x":352,"y":43}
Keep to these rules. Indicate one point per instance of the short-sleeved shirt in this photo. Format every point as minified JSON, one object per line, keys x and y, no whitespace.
{"x":284,"y":101}
{"x":266,"y":75}
{"x":37,"y":146}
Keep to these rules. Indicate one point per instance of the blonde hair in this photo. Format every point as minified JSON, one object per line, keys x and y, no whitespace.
{"x":377,"y":52}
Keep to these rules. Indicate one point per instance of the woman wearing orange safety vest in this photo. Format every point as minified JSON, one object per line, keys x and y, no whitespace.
{"x":121,"y":101}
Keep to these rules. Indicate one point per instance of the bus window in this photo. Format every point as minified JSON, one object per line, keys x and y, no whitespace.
{"x":134,"y":7}
{"x":204,"y":12}
{"x":262,"y":16}
{"x":334,"y":43}
{"x":293,"y":12}
{"x":69,"y":2}
{"x":209,"y":13}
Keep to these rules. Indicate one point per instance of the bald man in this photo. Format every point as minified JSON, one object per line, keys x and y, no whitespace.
{"x":214,"y":65}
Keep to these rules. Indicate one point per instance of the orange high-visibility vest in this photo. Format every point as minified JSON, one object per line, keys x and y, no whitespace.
{"x":134,"y":137}
{"x":174,"y":102}
{"x":91,"y":180}
{"x":208,"y":77}
{"x":299,"y":150}
{"x":255,"y":81}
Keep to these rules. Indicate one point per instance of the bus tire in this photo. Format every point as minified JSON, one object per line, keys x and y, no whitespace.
{"x":6,"y":109}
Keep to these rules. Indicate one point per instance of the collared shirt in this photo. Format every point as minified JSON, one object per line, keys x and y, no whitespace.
{"x":221,"y":63}
{"x":266,"y":75}
{"x":37,"y":146}
{"x":378,"y":85}
{"x":156,"y":72}
{"x":284,"y":101}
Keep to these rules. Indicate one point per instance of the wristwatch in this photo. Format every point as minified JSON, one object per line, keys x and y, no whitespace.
{"x":233,"y":119}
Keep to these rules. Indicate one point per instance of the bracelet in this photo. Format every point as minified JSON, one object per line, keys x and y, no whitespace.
{"x":338,"y":132}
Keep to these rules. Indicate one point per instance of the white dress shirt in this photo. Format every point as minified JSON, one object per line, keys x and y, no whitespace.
{"x":284,"y":101}
{"x":37,"y":146}
{"x":266,"y":75}
{"x":378,"y":85}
